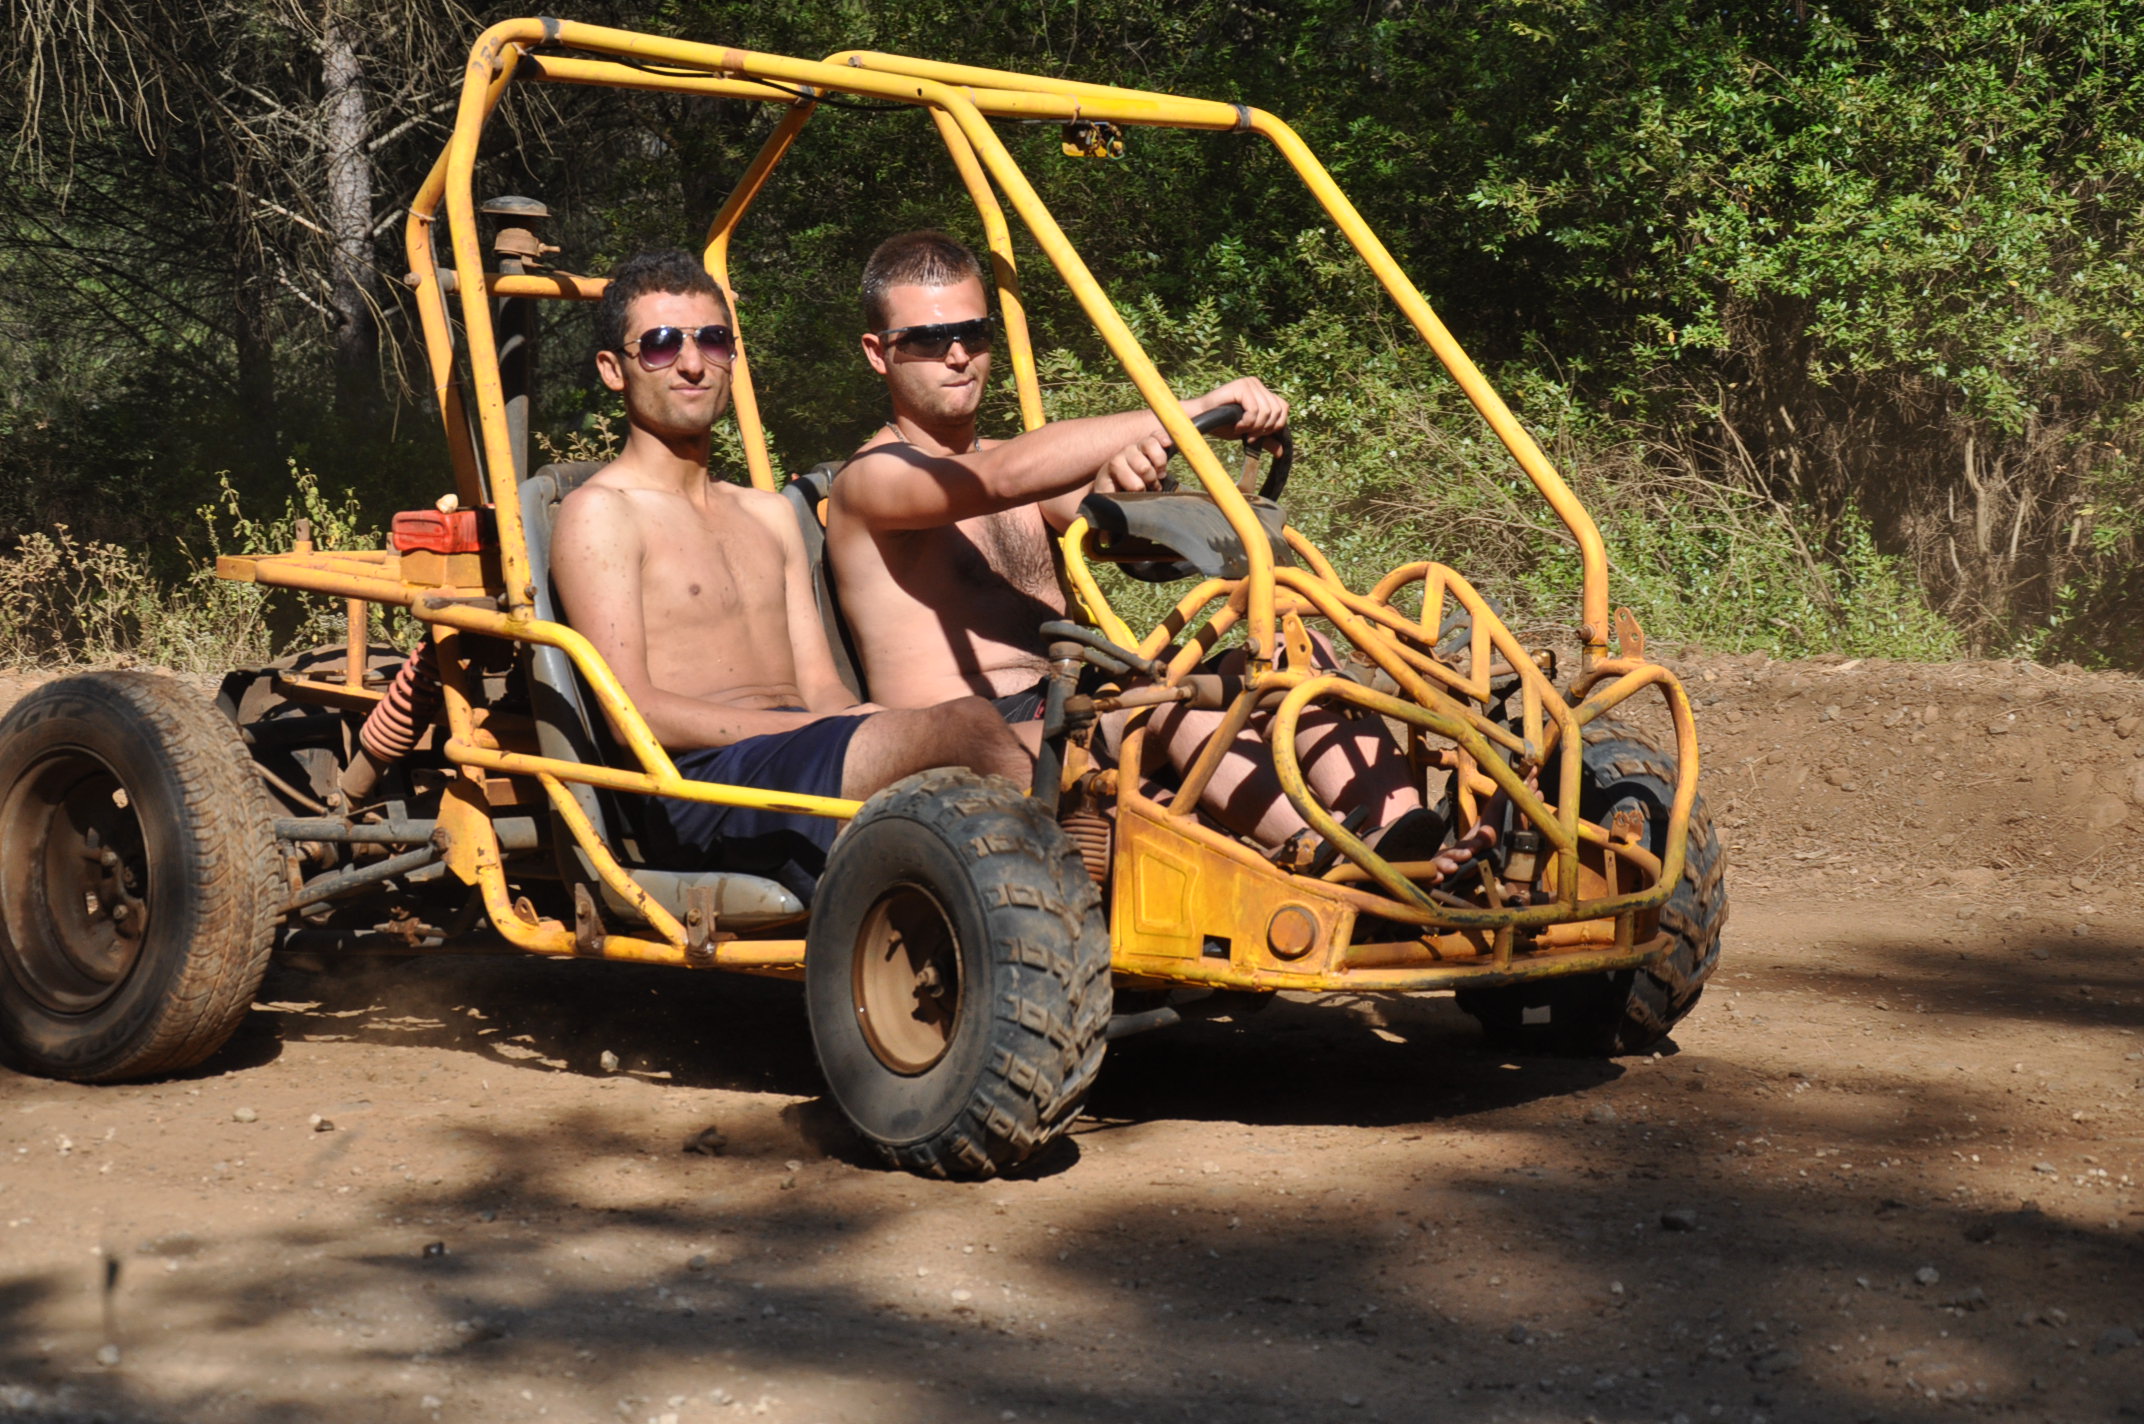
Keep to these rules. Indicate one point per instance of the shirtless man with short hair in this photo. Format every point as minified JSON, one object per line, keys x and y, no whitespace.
{"x":698,"y":594}
{"x":940,"y":543}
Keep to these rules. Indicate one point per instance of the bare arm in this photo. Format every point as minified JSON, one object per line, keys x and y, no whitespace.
{"x":817,"y":679}
{"x":1143,"y":463}
{"x":1139,"y":465}
{"x":1059,"y":511}
{"x":597,"y":559}
{"x":895,"y":486}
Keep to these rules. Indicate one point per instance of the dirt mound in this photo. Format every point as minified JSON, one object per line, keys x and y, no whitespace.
{"x":2001,"y":776}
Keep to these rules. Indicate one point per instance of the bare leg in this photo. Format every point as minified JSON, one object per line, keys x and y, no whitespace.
{"x":964,"y":732}
{"x":1029,"y":735}
{"x":1351,"y":761}
{"x":1348,"y":763}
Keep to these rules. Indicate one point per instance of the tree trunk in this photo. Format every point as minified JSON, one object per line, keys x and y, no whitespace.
{"x":353,"y":281}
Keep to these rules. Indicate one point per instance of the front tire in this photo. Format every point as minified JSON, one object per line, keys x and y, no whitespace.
{"x":139,"y":879}
{"x":957,"y":975}
{"x":1626,"y":1010}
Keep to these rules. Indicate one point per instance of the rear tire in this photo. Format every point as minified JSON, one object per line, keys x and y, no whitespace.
{"x":1627,"y":1010}
{"x":957,"y":975}
{"x":139,"y":879}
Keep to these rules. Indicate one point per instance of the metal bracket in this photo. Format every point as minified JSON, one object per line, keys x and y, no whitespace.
{"x":587,"y":924}
{"x":700,"y":926}
{"x":1629,"y":637}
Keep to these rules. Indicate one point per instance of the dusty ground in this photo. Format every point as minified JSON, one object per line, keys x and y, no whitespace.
{"x":1888,"y":1170}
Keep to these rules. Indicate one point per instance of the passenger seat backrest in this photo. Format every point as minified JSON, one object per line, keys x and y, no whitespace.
{"x":565,"y":728}
{"x":807,"y":495}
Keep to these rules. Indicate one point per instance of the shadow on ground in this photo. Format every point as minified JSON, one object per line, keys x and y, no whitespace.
{"x":1465,"y":1252}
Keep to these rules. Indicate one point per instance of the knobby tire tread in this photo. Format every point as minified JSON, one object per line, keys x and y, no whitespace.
{"x":1044,"y":917}
{"x":240,"y":883}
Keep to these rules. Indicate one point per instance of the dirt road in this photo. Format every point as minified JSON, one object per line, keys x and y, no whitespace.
{"x":1889,"y":1170}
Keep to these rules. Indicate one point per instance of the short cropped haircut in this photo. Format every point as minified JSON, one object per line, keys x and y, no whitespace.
{"x":664,"y":269}
{"x":925,"y":258}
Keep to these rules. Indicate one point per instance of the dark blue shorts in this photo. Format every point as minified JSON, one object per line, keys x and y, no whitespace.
{"x":1026,"y":705}
{"x":781,"y":845}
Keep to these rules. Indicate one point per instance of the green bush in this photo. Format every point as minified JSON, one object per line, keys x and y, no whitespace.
{"x":66,"y":601}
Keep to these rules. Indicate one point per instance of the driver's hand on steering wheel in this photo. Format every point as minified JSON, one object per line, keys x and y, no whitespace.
{"x":1263,"y":411}
{"x":1139,"y":466}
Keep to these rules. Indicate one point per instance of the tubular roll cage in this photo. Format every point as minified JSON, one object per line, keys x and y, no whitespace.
{"x":1459,"y":943}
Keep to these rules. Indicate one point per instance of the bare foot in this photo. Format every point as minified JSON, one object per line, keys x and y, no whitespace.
{"x":1462,"y":852}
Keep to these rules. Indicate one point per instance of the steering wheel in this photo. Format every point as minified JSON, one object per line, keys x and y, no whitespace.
{"x":1277,"y":470}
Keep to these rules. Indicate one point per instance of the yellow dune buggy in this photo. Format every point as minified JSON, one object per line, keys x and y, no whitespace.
{"x":971,"y":941}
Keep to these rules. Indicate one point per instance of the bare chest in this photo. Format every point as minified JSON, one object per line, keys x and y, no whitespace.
{"x":996,"y":551}
{"x":700,"y":573}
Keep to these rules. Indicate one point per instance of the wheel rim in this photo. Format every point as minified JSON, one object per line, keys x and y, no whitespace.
{"x":74,"y":874}
{"x":907,"y":979}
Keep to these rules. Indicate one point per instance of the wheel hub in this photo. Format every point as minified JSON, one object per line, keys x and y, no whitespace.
{"x":74,"y":877}
{"x":907,"y":979}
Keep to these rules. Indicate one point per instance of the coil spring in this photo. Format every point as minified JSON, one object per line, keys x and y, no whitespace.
{"x":1090,"y":834}
{"x":391,"y":730}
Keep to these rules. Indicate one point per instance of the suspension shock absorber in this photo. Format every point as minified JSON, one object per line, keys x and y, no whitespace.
{"x":392,"y":728}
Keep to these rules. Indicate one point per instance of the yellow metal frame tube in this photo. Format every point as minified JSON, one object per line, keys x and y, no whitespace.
{"x":1559,"y":824}
{"x":959,"y":98}
{"x":1094,"y":603}
{"x":630,"y":726}
{"x":659,"y":776}
{"x":491,"y":65}
{"x":1018,"y":96}
{"x":1192,"y":785}
{"x":1072,"y":100}
{"x":466,"y":752}
{"x":1334,"y":604}
{"x":557,"y":286}
{"x":1003,"y":267}
{"x":716,"y":257}
{"x":606,"y":865}
{"x":607,"y":74}
{"x":432,"y":317}
{"x":1592,"y":552}
{"x":975,"y":76}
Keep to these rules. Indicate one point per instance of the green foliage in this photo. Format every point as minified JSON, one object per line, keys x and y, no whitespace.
{"x":69,"y":600}
{"x":1723,"y":569}
{"x":1831,"y":311}
{"x":1945,"y":188}
{"x":293,"y":619}
{"x":595,"y":438}
{"x":66,"y":600}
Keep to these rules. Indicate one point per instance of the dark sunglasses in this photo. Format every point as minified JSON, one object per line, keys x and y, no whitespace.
{"x":661,"y":346}
{"x":933,"y":341}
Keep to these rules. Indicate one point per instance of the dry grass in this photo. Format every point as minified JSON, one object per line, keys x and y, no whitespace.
{"x":71,"y":602}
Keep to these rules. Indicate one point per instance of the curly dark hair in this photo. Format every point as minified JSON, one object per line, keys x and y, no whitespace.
{"x":665,"y":269}
{"x":924,"y":258}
